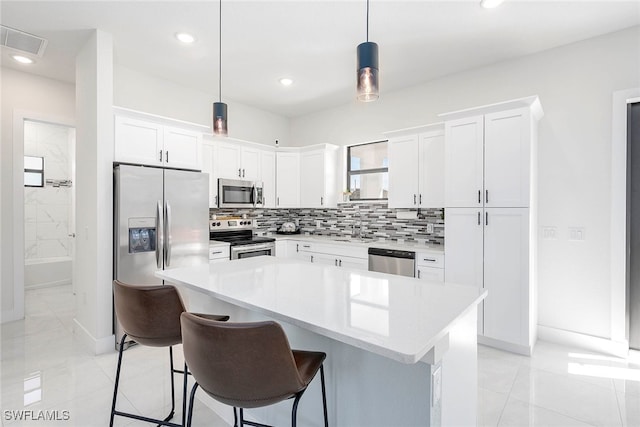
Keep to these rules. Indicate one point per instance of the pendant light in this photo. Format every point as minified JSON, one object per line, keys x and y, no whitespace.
{"x":220,"y":108}
{"x":367,"y":82}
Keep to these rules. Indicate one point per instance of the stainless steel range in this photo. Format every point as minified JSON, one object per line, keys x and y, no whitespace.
{"x":239,"y":233}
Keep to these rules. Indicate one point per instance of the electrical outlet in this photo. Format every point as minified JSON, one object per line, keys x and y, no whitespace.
{"x":436,"y":386}
{"x":318,"y":223}
{"x":429,"y":228}
{"x":550,"y":233}
{"x":577,"y":234}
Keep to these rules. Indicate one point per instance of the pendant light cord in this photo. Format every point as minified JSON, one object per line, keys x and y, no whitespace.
{"x":220,"y":55}
{"x":367,"y":20}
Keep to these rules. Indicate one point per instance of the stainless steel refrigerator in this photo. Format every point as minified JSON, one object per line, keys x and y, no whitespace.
{"x":161,"y":221}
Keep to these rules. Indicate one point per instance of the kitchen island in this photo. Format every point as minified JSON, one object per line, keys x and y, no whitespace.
{"x":400,"y":351}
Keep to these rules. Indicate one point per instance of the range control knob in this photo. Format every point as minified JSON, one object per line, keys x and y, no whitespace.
{"x":218,"y":223}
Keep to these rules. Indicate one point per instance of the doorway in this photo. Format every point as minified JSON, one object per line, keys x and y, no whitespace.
{"x":633,"y":215}
{"x":49,"y":215}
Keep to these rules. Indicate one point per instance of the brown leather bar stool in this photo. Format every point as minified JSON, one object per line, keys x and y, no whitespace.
{"x":150,"y":315}
{"x":247,"y":365}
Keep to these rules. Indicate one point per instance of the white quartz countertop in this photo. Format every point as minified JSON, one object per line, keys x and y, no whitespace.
{"x":368,"y":243}
{"x":394,"y":316}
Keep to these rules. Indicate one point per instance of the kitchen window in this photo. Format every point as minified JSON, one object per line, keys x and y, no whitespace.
{"x":368,"y":171}
{"x":33,"y":171}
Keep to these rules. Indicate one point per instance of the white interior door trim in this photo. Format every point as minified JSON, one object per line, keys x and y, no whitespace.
{"x":19,"y":116}
{"x":619,"y":212}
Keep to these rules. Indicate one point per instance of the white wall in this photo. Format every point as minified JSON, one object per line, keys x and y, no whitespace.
{"x":93,"y":267}
{"x":575,"y":84}
{"x":36,"y":97}
{"x":146,"y":93}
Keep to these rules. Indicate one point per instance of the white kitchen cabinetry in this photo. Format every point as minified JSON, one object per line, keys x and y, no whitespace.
{"x":318,"y":173}
{"x":430,"y":266}
{"x":268,"y":178}
{"x":287,"y":179}
{"x":416,"y":167}
{"x":238,"y":161}
{"x":490,"y":216}
{"x":152,"y":143}
{"x":336,"y":255}
{"x":209,"y":155}
{"x":488,"y":159}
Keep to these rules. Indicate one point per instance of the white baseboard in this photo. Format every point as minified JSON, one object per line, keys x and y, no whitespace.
{"x":95,"y":345}
{"x":588,"y":342}
{"x":502,"y":345}
{"x":10,"y":316}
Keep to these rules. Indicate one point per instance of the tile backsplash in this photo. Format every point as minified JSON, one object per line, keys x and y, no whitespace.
{"x":369,"y":220}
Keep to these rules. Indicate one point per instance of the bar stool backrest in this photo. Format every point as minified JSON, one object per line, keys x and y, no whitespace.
{"x":150,"y":315}
{"x":246,"y":365}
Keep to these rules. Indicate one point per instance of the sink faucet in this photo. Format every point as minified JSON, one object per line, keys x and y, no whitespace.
{"x":359,"y":234}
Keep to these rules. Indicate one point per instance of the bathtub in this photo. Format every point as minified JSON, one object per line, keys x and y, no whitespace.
{"x":44,"y":272}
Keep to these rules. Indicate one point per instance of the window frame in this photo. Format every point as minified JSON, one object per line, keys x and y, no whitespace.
{"x":350,"y":173}
{"x":36,"y":171}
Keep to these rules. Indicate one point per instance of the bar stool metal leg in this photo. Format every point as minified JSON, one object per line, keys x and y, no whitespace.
{"x":115,"y":388}
{"x":324,"y":396}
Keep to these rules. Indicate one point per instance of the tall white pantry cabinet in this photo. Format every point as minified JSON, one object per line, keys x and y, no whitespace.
{"x":490,"y":216}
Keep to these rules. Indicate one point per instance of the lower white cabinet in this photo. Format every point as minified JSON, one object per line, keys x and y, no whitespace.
{"x":430,"y":266}
{"x":490,"y":248}
{"x":329,"y":254}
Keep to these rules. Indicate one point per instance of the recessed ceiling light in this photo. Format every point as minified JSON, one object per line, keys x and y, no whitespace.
{"x":185,"y":38}
{"x":490,"y":4}
{"x":22,"y":59}
{"x":286,"y":81}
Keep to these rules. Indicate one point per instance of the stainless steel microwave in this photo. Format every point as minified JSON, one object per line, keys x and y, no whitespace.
{"x":235,"y":193}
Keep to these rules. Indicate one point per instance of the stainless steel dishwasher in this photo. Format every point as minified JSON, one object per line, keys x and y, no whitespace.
{"x":392,"y":261}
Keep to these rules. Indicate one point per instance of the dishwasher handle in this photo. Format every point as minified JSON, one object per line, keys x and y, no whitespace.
{"x":393,"y":253}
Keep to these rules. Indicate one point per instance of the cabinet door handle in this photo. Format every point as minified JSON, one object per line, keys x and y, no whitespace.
{"x":418,"y":274}
{"x":478,"y":217}
{"x":479,"y":196}
{"x":429,"y":259}
{"x":335,"y":262}
{"x":239,"y":174}
{"x":216,"y":201}
{"x":243,"y":173}
{"x":166,"y":156}
{"x":486,"y":218}
{"x":297,"y":247}
{"x":215,"y":252}
{"x":321,"y":201}
{"x":311,"y":258}
{"x":414,"y":199}
{"x":420,"y":199}
{"x":160,"y":155}
{"x":486,"y":196}
{"x":278,"y":201}
{"x":306,"y":246}
{"x":340,"y":263}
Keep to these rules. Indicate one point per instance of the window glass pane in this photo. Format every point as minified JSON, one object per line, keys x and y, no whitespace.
{"x":33,"y":163}
{"x":369,"y":186}
{"x":369,"y":156}
{"x":33,"y":179}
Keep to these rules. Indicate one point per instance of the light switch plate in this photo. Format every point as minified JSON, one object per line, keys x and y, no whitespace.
{"x":429,"y":228}
{"x":577,"y":234}
{"x":550,"y":233}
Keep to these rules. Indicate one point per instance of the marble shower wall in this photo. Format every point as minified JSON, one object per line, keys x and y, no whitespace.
{"x":371,"y":220}
{"x":47,"y":209}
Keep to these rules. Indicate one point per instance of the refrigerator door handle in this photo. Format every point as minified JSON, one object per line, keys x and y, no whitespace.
{"x":167,"y":235}
{"x":159,"y":234}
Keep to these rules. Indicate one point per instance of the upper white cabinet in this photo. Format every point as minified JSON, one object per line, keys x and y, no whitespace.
{"x":488,"y":158}
{"x":318,"y":173}
{"x":416,"y":167}
{"x":156,"y":141}
{"x":287,"y":179}
{"x":268,"y":178}
{"x":238,"y":161}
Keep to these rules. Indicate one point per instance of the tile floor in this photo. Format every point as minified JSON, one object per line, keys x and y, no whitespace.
{"x":43,"y":368}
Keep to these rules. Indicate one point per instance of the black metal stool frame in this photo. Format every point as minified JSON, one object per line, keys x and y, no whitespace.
{"x":165,"y":421}
{"x":243,"y":422}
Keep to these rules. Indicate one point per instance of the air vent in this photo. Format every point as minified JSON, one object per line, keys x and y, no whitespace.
{"x":21,"y":41}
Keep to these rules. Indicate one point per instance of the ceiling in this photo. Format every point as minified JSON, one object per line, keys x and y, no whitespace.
{"x":313,"y":42}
